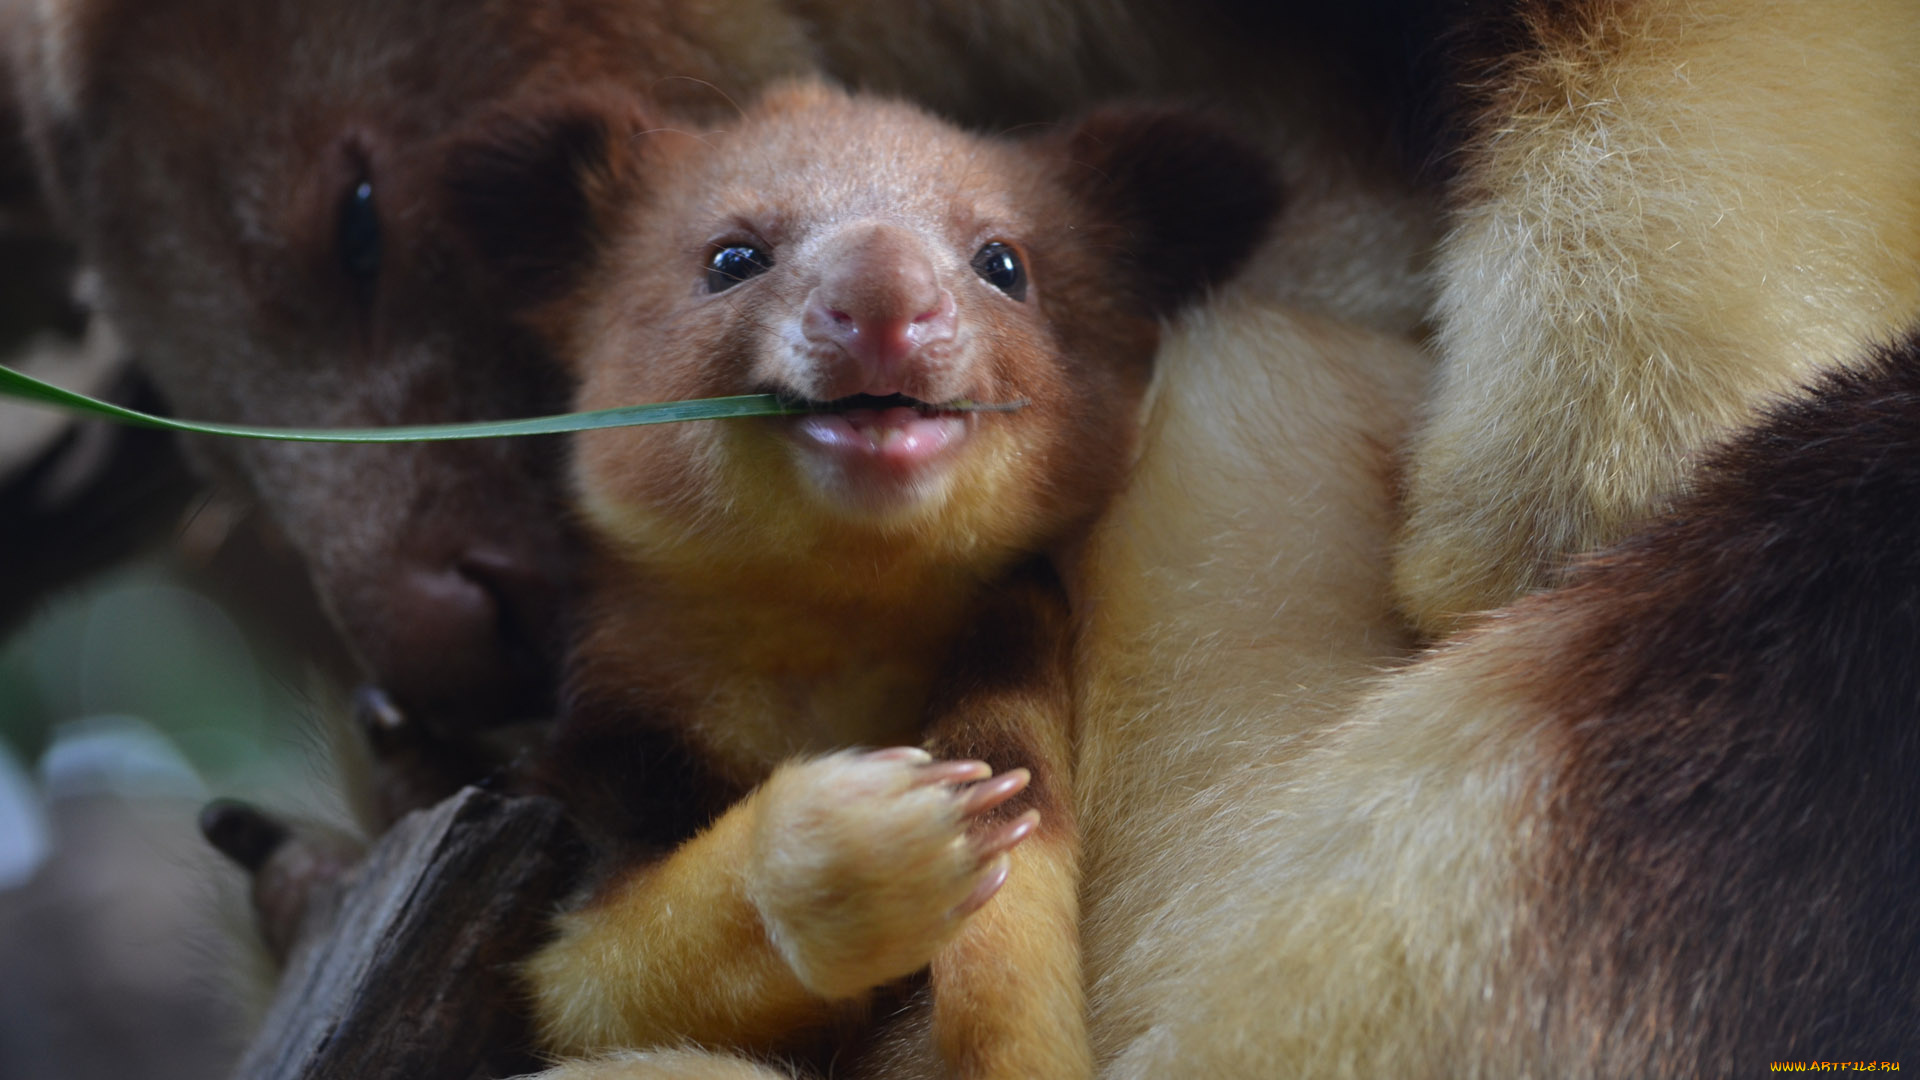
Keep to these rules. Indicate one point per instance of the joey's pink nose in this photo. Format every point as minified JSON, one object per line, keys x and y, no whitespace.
{"x":881,"y":303}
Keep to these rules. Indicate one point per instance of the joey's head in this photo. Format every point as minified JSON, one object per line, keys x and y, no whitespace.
{"x":880,"y":266}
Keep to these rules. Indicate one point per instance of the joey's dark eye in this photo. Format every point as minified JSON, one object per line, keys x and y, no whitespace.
{"x":734,"y":264}
{"x":999,"y":267}
{"x":359,"y":234}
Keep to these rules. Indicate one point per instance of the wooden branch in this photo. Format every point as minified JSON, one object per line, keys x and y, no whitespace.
{"x":408,"y":969}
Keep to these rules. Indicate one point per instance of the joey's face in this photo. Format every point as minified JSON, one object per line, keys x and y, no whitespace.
{"x":880,"y":266}
{"x":882,"y":322}
{"x":873,"y":263}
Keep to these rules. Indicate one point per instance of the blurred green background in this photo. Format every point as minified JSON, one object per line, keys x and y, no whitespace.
{"x":136,"y":656}
{"x":125,"y":943}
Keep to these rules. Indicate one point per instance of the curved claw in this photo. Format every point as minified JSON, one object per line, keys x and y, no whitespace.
{"x":987,"y":794}
{"x":990,"y":882}
{"x":1004,"y":838}
{"x":951,"y":772}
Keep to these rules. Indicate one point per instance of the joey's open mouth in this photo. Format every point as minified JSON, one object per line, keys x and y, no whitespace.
{"x":879,"y":440}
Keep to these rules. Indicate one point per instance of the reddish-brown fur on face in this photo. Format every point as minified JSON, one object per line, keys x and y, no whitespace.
{"x":871,"y":291}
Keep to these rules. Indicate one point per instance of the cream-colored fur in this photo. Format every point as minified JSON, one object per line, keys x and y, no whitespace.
{"x":1679,"y":218}
{"x":1288,"y":877}
{"x":1673,"y":218}
{"x":1348,"y":912}
{"x":1236,"y":600}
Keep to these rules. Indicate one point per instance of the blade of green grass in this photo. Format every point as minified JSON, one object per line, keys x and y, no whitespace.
{"x":13,"y":384}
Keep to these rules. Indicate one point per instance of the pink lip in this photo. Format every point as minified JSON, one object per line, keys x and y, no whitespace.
{"x":881,"y":445}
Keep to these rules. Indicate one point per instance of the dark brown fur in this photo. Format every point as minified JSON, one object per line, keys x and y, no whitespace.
{"x":201,"y":155}
{"x":1016,"y":648}
{"x":1735,"y":865}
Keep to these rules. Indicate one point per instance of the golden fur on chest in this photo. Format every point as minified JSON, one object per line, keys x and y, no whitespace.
{"x":762,"y":668}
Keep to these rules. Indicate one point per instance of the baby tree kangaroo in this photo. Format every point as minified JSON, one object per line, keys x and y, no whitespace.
{"x":768,"y":594}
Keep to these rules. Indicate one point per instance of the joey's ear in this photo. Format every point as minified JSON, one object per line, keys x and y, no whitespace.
{"x":1189,"y":199}
{"x":526,"y":185}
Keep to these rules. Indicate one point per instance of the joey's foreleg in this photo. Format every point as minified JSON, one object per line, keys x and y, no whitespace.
{"x":837,"y":875}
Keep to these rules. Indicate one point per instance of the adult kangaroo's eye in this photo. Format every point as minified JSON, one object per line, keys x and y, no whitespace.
{"x":359,"y":234}
{"x":999,"y":267}
{"x":734,"y":264}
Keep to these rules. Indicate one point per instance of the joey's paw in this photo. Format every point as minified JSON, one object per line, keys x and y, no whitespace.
{"x":865,"y":862}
